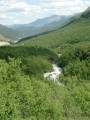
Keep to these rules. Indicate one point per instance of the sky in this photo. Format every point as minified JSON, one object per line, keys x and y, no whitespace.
{"x":26,"y":11}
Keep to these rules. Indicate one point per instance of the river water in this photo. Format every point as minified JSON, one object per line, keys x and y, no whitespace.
{"x":54,"y":74}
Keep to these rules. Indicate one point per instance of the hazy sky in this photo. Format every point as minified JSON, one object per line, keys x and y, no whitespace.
{"x":25,"y":11}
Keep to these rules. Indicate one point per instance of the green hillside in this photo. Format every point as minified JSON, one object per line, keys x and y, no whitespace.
{"x":8,"y":33}
{"x":77,"y":31}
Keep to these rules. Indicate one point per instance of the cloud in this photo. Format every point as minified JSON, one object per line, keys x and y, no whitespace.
{"x":65,"y":6}
{"x":24,"y":11}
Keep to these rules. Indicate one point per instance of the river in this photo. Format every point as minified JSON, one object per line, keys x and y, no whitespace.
{"x":54,"y":74}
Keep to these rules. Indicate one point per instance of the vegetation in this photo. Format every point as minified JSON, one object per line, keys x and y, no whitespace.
{"x":75,"y":32}
{"x":26,"y":95}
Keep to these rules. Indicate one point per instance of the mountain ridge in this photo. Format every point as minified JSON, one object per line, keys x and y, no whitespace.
{"x":41,"y":25}
{"x":73,"y":32}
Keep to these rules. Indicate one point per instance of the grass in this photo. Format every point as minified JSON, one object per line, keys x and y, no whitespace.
{"x":76,"y":32}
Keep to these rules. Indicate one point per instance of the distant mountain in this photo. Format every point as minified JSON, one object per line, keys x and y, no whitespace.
{"x":8,"y":33}
{"x":41,"y":25}
{"x":19,"y":31}
{"x":41,"y":22}
{"x":76,"y":31}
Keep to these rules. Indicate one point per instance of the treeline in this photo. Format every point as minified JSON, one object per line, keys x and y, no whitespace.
{"x":21,"y":51}
{"x":76,"y":61}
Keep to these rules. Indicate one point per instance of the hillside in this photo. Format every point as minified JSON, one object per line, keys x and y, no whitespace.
{"x":72,"y":33}
{"x":8,"y":33}
{"x":24,"y":90}
{"x":41,"y":25}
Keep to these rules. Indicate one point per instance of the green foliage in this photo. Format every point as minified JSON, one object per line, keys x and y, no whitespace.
{"x":26,"y":95}
{"x":79,"y":69}
{"x":77,"y":31}
{"x":36,"y":65}
{"x":24,"y":52}
{"x":25,"y":98}
{"x":76,"y":61}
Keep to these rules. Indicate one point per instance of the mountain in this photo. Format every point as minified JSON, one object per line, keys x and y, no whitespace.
{"x":41,"y":25}
{"x":8,"y":33}
{"x":74,"y":32}
{"x":42,"y":22}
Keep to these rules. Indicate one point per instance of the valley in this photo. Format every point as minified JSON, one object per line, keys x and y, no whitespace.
{"x":46,"y":76}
